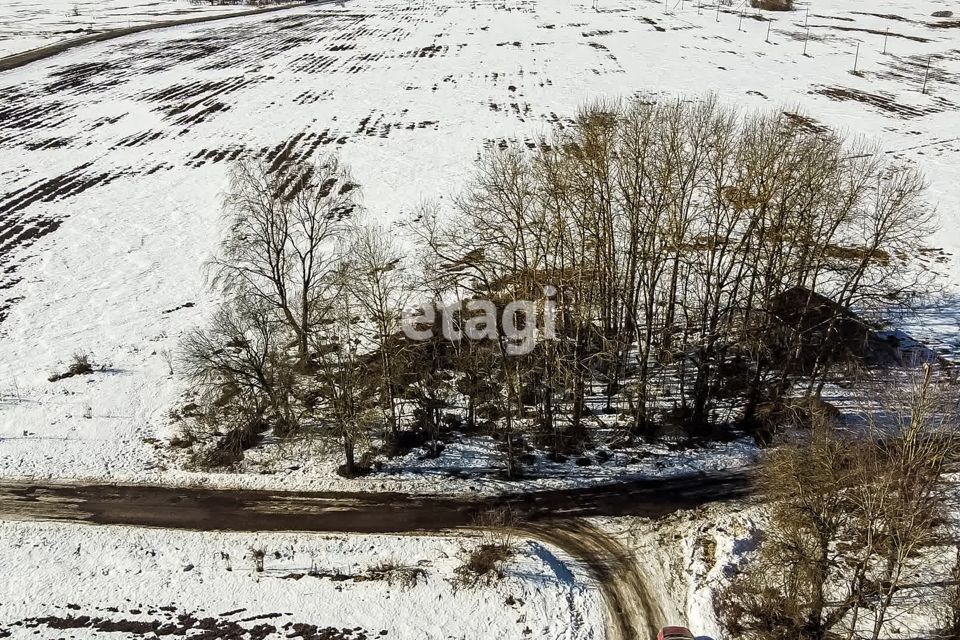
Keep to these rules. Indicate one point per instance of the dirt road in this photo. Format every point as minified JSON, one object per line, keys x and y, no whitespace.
{"x":241,"y":510}
{"x":27,"y":57}
{"x":555,"y":517}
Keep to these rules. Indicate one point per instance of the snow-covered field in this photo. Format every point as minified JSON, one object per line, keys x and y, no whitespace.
{"x":113,"y":158}
{"x":124,"y":580}
{"x":29,"y":24}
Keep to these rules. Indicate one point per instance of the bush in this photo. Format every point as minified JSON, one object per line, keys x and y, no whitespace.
{"x":772,"y":5}
{"x":258,"y":554}
{"x":396,"y":574}
{"x":80,"y":366}
{"x":483,"y":565}
{"x":353,"y":471}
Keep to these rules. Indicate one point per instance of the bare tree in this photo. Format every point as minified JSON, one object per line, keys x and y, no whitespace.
{"x":852,"y":515}
{"x":902,"y":501}
{"x":342,"y":398}
{"x":243,"y":376}
{"x":380,"y":285}
{"x":275,"y":271}
{"x":284,"y":224}
{"x":674,"y":234}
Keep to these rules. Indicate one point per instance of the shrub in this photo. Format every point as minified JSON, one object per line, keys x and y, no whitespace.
{"x":483,"y":565}
{"x":80,"y":365}
{"x":395,"y":573}
{"x":258,"y":554}
{"x":772,"y":5}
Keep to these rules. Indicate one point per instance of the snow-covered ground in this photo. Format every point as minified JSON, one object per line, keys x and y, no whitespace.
{"x":29,"y":24}
{"x":125,"y":579}
{"x":113,"y":158}
{"x":471,"y":465}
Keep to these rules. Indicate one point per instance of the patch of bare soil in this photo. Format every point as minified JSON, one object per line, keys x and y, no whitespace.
{"x":806,"y":123}
{"x":882,"y":101}
{"x":169,"y":622}
{"x":823,"y":17}
{"x":912,"y":69}
{"x":884,"y":16}
{"x":652,"y":23}
{"x":875,"y":32}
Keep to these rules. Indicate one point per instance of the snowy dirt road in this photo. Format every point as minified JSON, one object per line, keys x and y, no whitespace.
{"x":225,"y":510}
{"x":553,"y":517}
{"x":633,"y":608}
{"x":18,"y":58}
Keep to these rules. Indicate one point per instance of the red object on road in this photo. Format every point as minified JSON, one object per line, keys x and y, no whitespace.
{"x":675,"y":633}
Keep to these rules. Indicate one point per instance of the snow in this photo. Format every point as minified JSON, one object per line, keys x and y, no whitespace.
{"x":112,"y":193}
{"x":30,"y":24}
{"x":118,"y":574}
{"x":470,"y":465}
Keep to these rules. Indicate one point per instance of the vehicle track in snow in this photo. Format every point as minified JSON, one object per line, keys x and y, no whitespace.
{"x":632,"y":610}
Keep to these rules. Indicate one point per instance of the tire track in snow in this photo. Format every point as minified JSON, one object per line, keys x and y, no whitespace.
{"x":632,"y":610}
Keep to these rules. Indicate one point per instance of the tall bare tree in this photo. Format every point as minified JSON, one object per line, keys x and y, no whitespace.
{"x":284,"y":224}
{"x":381,"y":286}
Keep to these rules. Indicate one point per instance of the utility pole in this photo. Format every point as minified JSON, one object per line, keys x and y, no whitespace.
{"x":806,"y":38}
{"x":885,"y":38}
{"x":769,"y":24}
{"x":856,"y":58}
{"x":926,"y":74}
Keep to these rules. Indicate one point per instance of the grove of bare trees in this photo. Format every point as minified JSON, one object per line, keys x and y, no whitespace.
{"x":699,"y":266}
{"x":704,"y":260}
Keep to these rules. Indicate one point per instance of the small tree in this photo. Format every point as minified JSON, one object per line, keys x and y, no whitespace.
{"x":380,"y":286}
{"x":342,"y":398}
{"x":239,"y":361}
{"x":276,"y":271}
